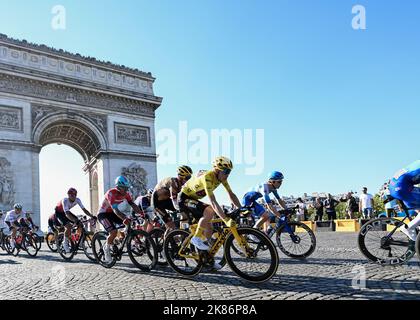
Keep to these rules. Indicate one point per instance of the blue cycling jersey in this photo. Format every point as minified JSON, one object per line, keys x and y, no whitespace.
{"x":403,"y":185}
{"x":265,"y":189}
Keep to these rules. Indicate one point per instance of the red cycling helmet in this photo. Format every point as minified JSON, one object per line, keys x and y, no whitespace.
{"x":72,"y":191}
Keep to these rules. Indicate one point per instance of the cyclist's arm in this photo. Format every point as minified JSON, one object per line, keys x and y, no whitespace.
{"x":79,"y":202}
{"x":118,"y":213}
{"x":135,"y":207}
{"x":279,"y":200}
{"x":270,"y":202}
{"x":71,"y":216}
{"x":233,"y":198}
{"x":109,"y":196}
{"x":282,"y":203}
{"x":32,"y":224}
{"x":88,"y":213}
{"x":216,"y":207}
{"x":67,"y":211}
{"x":174,"y":195}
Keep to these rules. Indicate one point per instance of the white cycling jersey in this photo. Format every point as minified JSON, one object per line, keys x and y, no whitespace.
{"x":65,"y":205}
{"x":12,"y":216}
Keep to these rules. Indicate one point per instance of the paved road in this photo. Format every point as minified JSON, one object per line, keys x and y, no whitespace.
{"x":332,"y":272}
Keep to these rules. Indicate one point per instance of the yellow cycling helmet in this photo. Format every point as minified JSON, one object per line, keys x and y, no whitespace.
{"x":222,"y":163}
{"x":184,"y":171}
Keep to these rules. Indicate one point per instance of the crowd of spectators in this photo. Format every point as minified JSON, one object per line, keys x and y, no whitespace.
{"x":324,"y":207}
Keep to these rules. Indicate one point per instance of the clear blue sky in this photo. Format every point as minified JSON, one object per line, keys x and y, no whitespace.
{"x":340,"y":107}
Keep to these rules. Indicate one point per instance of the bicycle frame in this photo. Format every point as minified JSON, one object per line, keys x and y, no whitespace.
{"x":120,"y":250}
{"x":220,"y":240}
{"x":282,"y":221}
{"x":387,"y":239}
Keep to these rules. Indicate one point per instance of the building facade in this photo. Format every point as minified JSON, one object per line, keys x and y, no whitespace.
{"x":106,"y":112}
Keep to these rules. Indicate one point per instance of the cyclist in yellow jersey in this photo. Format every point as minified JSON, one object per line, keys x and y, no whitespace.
{"x":201,"y":186}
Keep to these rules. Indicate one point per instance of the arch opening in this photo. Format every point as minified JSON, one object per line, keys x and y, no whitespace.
{"x":61,"y":167}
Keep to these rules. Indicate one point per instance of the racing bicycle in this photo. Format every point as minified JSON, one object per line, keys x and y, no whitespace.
{"x":255,"y":261}
{"x":137,"y":243}
{"x":79,"y":240}
{"x":381,"y":241}
{"x":294,"y":238}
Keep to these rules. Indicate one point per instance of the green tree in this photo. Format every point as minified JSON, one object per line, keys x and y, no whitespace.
{"x":341,"y":210}
{"x":311,"y":213}
{"x":379,"y":205}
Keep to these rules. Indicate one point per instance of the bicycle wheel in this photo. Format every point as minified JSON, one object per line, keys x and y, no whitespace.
{"x":219,"y":256}
{"x":380,"y":241}
{"x":67,"y":256}
{"x":51,"y":242}
{"x":158,"y":236}
{"x":38,"y":240}
{"x":86,"y":243}
{"x":418,"y":245}
{"x":142,"y":250}
{"x":8,"y":245}
{"x":297,"y":245}
{"x":261,"y":260}
{"x":187,"y":264}
{"x":2,"y":240}
{"x":30,"y":245}
{"x":98,"y":241}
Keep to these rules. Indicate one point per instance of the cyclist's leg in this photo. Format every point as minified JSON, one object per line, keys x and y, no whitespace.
{"x":13,"y":230}
{"x":15,"y":227}
{"x":199,"y":212}
{"x":109,"y":221}
{"x":161,"y":208}
{"x":411,"y":198}
{"x":167,"y":220}
{"x":204,"y":229}
{"x":261,"y":215}
{"x":66,"y":223}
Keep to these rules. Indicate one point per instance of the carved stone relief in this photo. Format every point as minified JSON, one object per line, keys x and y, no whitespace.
{"x":99,"y":120}
{"x":130,"y":134}
{"x":7,"y":189}
{"x":137,"y":177}
{"x":40,"y":112}
{"x":21,"y":86}
{"x":10,"y":118}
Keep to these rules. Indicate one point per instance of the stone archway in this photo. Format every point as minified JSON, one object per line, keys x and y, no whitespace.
{"x":106,"y":112}
{"x":74,"y":131}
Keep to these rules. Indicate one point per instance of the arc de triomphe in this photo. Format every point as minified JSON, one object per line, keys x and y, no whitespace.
{"x":104,"y":111}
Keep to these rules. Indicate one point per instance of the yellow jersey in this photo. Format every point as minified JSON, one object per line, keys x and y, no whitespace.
{"x":203,"y":185}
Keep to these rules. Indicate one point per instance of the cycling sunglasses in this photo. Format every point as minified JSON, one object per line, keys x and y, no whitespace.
{"x":226,"y":171}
